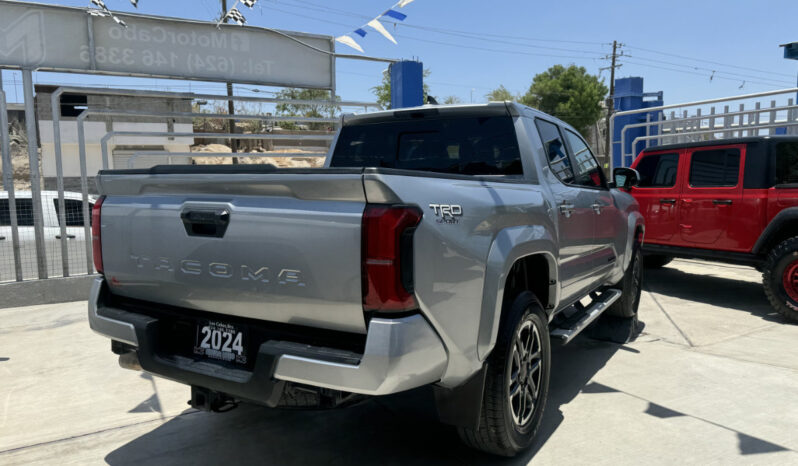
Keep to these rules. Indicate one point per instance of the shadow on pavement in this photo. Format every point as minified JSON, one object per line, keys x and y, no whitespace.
{"x":721,"y":292}
{"x":399,"y":429}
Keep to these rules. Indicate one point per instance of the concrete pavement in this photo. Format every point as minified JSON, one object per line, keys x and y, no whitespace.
{"x":713,"y":379}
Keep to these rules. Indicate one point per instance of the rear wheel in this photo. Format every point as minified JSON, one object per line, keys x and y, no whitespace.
{"x":656,"y":261}
{"x":780,"y":278}
{"x":517,"y":382}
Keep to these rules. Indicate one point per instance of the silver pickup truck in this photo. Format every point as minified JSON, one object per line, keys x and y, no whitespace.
{"x":440,"y":246}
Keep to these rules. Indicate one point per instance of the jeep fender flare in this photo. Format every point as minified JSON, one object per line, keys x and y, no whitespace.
{"x":510,"y":245}
{"x":773,"y":228}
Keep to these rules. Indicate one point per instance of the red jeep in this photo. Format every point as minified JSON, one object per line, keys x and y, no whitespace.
{"x":732,"y":200}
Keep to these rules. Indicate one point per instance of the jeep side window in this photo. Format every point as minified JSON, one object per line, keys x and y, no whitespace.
{"x":24,"y":213}
{"x":658,"y":170}
{"x":586,"y":167}
{"x":715,"y":168}
{"x":787,"y":163}
{"x":556,"y":153}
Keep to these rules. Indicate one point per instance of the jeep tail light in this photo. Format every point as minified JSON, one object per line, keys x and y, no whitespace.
{"x":96,"y":245}
{"x":388,"y":257}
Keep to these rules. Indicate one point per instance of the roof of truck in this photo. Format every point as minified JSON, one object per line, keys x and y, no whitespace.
{"x":720,"y":142}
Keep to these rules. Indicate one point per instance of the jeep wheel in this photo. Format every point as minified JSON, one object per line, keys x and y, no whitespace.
{"x":656,"y":261}
{"x":517,"y":382}
{"x":780,"y":277}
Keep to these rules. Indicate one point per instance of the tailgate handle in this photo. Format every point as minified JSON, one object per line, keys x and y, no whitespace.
{"x":206,"y":222}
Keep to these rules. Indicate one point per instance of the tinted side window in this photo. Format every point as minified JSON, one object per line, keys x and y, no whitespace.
{"x":658,"y":170}
{"x":715,"y":168}
{"x":786,"y":162}
{"x":24,"y":213}
{"x":555,"y":150}
{"x":586,"y":168}
{"x":74,"y":212}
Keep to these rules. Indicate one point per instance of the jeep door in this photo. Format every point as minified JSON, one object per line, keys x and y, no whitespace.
{"x":711,"y":193}
{"x":658,"y":194}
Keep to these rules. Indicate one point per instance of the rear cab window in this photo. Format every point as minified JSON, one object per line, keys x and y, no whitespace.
{"x":465,"y":145}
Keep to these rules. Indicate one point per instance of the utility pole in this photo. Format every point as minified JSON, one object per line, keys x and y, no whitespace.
{"x":610,"y":99}
{"x":231,"y":110}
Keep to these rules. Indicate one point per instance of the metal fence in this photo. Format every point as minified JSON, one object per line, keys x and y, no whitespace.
{"x":739,"y":116}
{"x":47,"y":233}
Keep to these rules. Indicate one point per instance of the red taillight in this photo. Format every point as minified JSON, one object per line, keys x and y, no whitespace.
{"x":387,"y":257}
{"x":96,"y":245}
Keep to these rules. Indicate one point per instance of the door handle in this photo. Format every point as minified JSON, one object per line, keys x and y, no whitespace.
{"x":68,"y":236}
{"x":2,"y":238}
{"x":667,"y":201}
{"x":722,"y":202}
{"x":597,"y":208}
{"x":566,"y":209}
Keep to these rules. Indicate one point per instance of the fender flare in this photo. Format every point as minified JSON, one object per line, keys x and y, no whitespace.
{"x":510,"y":245}
{"x":634,"y":221}
{"x":786,"y":215}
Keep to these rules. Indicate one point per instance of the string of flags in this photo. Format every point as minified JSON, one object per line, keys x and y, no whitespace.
{"x":235,"y":15}
{"x":349,"y":40}
{"x":105,"y":12}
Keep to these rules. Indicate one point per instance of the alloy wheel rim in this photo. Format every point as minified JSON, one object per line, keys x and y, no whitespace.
{"x":523,"y":387}
{"x":789,"y":280}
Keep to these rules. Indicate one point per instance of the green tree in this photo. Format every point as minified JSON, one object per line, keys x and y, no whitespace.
{"x":318,"y":110}
{"x":383,"y":91}
{"x":452,"y":100}
{"x":570,"y":94}
{"x":500,"y":94}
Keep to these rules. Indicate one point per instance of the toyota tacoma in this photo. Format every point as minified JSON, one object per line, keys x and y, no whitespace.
{"x":440,"y":246}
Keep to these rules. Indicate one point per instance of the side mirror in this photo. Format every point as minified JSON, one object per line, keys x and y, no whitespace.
{"x":625,"y":178}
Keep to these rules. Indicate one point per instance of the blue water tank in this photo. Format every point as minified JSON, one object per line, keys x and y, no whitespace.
{"x":629,"y":95}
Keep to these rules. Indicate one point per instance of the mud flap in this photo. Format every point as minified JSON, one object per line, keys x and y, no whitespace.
{"x":461,"y":406}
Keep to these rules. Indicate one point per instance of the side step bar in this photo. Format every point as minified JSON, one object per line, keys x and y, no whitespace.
{"x":582,"y":319}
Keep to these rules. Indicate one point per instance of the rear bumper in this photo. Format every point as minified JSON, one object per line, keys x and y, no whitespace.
{"x":399,"y":354}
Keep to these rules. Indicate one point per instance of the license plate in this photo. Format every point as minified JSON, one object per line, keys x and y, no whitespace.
{"x":220,"y":340}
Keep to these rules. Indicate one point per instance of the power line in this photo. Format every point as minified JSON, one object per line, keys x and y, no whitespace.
{"x":705,"y":61}
{"x":698,"y":74}
{"x":637,"y":57}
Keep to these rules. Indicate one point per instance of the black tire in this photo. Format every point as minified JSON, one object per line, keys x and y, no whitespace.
{"x":499,"y":433}
{"x":656,"y":261}
{"x":781,"y":265}
{"x":630,"y":285}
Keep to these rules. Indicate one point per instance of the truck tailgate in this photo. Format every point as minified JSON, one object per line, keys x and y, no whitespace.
{"x":282,"y":247}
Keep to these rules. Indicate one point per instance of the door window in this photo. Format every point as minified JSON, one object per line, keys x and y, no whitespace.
{"x":556,"y":153}
{"x":586,"y":170}
{"x":73,"y":214}
{"x":24,"y":212}
{"x":715,"y":168}
{"x":787,"y":163}
{"x":658,"y":170}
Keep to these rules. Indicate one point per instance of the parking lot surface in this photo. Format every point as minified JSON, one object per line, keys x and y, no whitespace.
{"x":712,"y":379}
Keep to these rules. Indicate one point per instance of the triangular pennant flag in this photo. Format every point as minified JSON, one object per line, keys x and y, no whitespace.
{"x":379,"y":28}
{"x":403,"y":3}
{"x":360,"y":32}
{"x":346,"y":40}
{"x":395,"y":14}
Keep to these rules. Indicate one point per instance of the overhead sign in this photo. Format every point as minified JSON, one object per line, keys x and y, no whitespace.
{"x":55,"y":38}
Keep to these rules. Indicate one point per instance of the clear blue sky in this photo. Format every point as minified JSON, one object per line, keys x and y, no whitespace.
{"x":470,"y":44}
